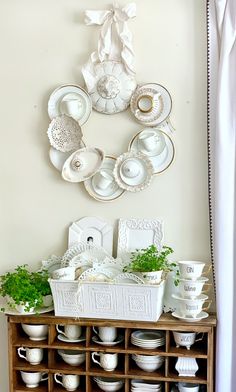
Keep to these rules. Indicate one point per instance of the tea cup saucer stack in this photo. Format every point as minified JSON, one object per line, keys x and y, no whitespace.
{"x":191,"y":301}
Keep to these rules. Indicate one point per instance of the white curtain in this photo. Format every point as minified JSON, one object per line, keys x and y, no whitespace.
{"x":222,"y":170}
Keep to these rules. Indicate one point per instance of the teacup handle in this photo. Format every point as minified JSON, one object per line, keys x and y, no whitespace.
{"x":94,"y":360}
{"x":208,"y":285}
{"x":60,"y":331}
{"x":19,"y":352}
{"x":56,"y":379}
{"x":44,"y":378}
{"x":207,"y":307}
{"x":201,"y":337}
{"x":207,"y":271}
{"x":96,"y":332}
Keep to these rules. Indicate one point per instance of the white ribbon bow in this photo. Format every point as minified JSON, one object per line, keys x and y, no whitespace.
{"x":115,"y":41}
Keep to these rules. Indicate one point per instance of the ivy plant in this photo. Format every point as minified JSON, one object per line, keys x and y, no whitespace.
{"x":150,"y":259}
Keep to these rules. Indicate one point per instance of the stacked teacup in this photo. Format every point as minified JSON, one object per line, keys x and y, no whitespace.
{"x":191,"y":297}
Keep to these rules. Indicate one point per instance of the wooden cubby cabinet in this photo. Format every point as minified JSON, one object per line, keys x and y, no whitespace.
{"x":127,"y":369}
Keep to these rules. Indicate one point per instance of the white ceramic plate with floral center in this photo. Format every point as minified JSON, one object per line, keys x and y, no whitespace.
{"x":82,"y":164}
{"x":64,"y":133}
{"x":102,"y":186}
{"x":133,"y":171}
{"x":71,"y":100}
{"x":111,"y":87}
{"x":161,"y":156}
{"x":151,"y":104}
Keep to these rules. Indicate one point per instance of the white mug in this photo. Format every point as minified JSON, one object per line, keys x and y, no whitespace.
{"x":71,"y":106}
{"x":103,"y":179}
{"x":32,"y":379}
{"x":33,"y":355}
{"x":71,"y":331}
{"x":152,"y":140}
{"x":106,"y":334}
{"x":186,"y":339}
{"x":107,"y":361}
{"x":67,"y":273}
{"x":69,"y":381}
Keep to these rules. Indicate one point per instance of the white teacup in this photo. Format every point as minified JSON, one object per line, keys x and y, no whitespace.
{"x":103,"y":179}
{"x":32,"y":379}
{"x":69,"y":381}
{"x":71,"y":106}
{"x":192,"y":307}
{"x":187,"y":387}
{"x":193,"y":288}
{"x":191,"y":269}
{"x":33,"y":355}
{"x":186,"y":339}
{"x":35,"y":331}
{"x":130,"y":168}
{"x":107,"y":361}
{"x":70,"y":331}
{"x":106,"y":334}
{"x":145,"y":103}
{"x":67,"y":273}
{"x":152,"y":140}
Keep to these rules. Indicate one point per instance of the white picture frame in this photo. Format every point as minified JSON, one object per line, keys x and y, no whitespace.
{"x":138,"y":233}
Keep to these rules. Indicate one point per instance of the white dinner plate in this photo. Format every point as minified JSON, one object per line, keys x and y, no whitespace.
{"x":127,"y":277}
{"x":148,"y":335}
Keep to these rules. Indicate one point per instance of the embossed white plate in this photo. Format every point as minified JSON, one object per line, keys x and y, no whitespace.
{"x":93,"y":229}
{"x":71,"y":100}
{"x":133,"y":171}
{"x":64,"y":133}
{"x":113,"y":191}
{"x":93,"y":252}
{"x":127,"y":277}
{"x":96,"y":275}
{"x":160,"y":161}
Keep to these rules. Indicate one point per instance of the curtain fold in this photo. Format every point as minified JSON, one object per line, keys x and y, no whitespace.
{"x":222,"y":172}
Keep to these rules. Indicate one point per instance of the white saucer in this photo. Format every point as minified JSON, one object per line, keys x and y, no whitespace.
{"x":95,"y":339}
{"x":15,"y":312}
{"x":65,"y":339}
{"x":67,"y":91}
{"x":201,"y":297}
{"x":199,"y":317}
{"x":161,"y":161}
{"x":110,"y":193}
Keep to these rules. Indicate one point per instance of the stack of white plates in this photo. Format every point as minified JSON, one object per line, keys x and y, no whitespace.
{"x":148,"y":363}
{"x":145,"y":386}
{"x":148,"y":339}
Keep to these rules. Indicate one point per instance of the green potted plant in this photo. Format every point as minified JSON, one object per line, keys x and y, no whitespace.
{"x":40,"y":281}
{"x":24,"y":290}
{"x":151,"y":263}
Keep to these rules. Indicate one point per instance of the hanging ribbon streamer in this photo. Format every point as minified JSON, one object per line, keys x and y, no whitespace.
{"x":115,"y":40}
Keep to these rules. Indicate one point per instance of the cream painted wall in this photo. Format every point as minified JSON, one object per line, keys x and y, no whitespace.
{"x":43,"y":45}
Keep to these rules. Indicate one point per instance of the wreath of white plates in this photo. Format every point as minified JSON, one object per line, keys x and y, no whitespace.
{"x":111,"y":87}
